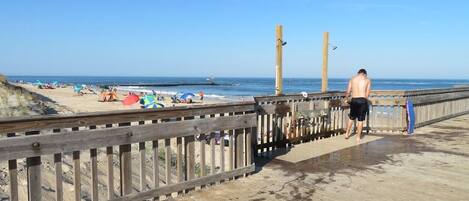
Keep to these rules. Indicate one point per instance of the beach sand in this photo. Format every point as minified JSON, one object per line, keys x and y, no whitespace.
{"x":73,"y":103}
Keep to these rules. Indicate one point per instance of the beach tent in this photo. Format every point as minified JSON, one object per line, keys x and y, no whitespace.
{"x":77,"y":88}
{"x":149,"y":101}
{"x":131,"y":99}
{"x":187,"y":96}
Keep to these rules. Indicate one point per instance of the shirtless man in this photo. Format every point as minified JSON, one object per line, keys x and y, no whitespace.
{"x":359,"y":86}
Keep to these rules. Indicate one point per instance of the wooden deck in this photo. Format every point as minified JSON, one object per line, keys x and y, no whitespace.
{"x":294,"y":140}
{"x":430,"y":165}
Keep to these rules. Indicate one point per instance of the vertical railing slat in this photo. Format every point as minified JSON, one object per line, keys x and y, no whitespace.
{"x":167,"y":151}
{"x":142,"y":150}
{"x":13,"y":176}
{"x":33,"y":167}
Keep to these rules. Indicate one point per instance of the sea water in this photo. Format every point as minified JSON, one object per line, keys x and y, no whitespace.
{"x":234,"y":88}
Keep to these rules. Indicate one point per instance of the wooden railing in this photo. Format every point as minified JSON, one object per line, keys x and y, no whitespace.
{"x":387,"y":114}
{"x":100,"y":148}
{"x":436,"y":105}
{"x":145,"y":154}
{"x":277,"y":126}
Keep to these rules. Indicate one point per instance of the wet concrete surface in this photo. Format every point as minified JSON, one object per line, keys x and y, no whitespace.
{"x":432,"y":164}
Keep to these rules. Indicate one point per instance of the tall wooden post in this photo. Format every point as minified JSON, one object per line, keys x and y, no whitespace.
{"x":325,"y":52}
{"x":278,"y":66}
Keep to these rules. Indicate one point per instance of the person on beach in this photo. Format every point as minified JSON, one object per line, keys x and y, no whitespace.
{"x":359,"y":88}
{"x":201,"y":95}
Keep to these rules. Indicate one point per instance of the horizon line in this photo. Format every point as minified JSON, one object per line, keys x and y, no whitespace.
{"x":172,"y":76}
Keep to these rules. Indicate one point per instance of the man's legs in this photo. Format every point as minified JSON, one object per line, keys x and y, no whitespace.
{"x":349,"y":128}
{"x":359,"y":130}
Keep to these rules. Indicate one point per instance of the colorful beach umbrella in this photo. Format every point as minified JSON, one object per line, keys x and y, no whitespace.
{"x":149,"y":101}
{"x":187,"y":96}
{"x":131,"y":99}
{"x":154,"y":105}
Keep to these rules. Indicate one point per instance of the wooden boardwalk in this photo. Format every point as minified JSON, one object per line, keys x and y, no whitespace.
{"x":433,"y":164}
{"x":146,"y":154}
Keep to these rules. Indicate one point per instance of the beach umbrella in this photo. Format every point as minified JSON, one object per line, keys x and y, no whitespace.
{"x":187,"y":96}
{"x":131,"y":99}
{"x":154,"y":105}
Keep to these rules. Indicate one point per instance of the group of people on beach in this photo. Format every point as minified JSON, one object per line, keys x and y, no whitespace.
{"x":108,"y":95}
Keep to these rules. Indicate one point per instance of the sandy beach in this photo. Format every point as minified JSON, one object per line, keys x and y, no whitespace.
{"x":70,"y":102}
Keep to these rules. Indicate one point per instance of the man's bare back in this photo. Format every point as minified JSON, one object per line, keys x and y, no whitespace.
{"x":359,"y":86}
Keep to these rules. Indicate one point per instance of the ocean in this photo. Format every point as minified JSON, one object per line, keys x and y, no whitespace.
{"x":234,"y":88}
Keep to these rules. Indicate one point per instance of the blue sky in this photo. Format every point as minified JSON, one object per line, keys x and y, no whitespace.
{"x":234,"y":38}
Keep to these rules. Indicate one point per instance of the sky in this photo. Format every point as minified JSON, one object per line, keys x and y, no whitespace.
{"x":234,"y":38}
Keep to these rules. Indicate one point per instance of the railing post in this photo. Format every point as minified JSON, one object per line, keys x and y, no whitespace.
{"x":13,"y":175}
{"x":33,"y":167}
{"x":125,"y":165}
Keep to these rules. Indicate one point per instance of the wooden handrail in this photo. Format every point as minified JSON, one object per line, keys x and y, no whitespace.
{"x":21,"y":124}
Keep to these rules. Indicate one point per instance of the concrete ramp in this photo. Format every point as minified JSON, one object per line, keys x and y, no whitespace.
{"x":318,"y":148}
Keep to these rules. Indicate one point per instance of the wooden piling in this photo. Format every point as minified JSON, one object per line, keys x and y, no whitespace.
{"x":278,"y":66}
{"x":325,"y":53}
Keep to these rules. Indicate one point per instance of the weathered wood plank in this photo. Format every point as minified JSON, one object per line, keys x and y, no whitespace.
{"x":179,"y":158}
{"x":222,"y":151}
{"x":94,"y":175}
{"x":13,"y":176}
{"x":186,"y":185}
{"x":33,"y":166}
{"x":239,"y":152}
{"x":21,"y":124}
{"x":261,"y":132}
{"x":76,"y":175}
{"x":285,"y":98}
{"x":189,"y":149}
{"x":202,"y":157}
{"x":167,"y":160}
{"x":212,"y":153}
{"x":125,"y":168}
{"x":110,"y":172}
{"x":250,"y":133}
{"x":20,"y":147}
{"x":156,"y":165}
{"x":142,"y":150}
{"x":230,"y":150}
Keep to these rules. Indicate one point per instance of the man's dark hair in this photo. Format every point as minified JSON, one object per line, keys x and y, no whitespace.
{"x":362,"y":71}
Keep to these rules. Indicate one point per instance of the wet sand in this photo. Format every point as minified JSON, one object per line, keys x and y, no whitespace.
{"x":430,"y":165}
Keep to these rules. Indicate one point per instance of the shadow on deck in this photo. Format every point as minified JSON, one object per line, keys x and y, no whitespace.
{"x":430,"y":165}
